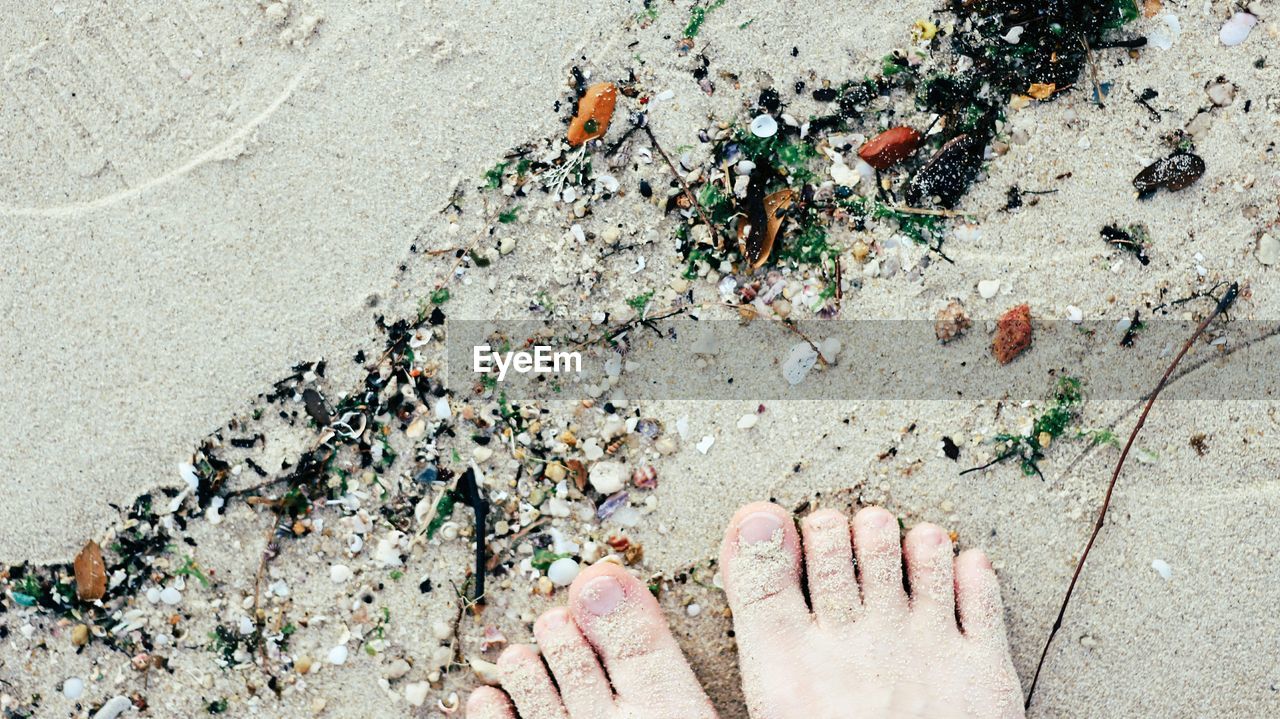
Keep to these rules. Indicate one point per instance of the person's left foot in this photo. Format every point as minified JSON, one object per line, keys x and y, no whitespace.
{"x":610,"y":653}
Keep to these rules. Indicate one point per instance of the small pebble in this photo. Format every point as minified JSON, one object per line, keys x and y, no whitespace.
{"x":80,"y":635}
{"x":1162,"y":568}
{"x":608,"y":477}
{"x":340,"y":573}
{"x":1237,"y":29}
{"x":988,"y":288}
{"x":170,"y":596}
{"x":114,"y":707}
{"x":338,"y":655}
{"x":73,"y":688}
{"x":416,"y":693}
{"x":563,"y":571}
{"x":693,"y":610}
{"x":704,"y":444}
{"x":747,"y":421}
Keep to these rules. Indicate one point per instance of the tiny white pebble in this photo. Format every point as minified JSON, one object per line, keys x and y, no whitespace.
{"x":339,"y":573}
{"x":338,"y":655}
{"x":988,"y":288}
{"x":1162,"y":568}
{"x":73,"y":688}
{"x":704,"y":445}
{"x":1074,"y":314}
{"x":153,"y":595}
{"x":170,"y":596}
{"x":563,"y":571}
{"x":1237,"y":29}
{"x":693,"y":610}
{"x":747,"y":421}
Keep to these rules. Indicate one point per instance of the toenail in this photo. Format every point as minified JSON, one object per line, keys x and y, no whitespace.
{"x":602,"y":596}
{"x":555,"y":619}
{"x":878,"y":518}
{"x":759,"y":527}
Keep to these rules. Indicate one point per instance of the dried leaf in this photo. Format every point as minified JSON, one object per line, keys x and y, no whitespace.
{"x":1042,"y":90}
{"x":595,"y":110}
{"x":91,"y":573}
{"x":579,"y":472}
{"x":764,"y":219}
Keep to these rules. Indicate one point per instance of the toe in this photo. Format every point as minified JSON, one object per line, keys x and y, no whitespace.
{"x":525,"y":678}
{"x":878,"y":548}
{"x":489,"y":703}
{"x":583,"y":684}
{"x":828,"y":565}
{"x":929,"y":573}
{"x":760,"y":564}
{"x":978,"y":598}
{"x":624,"y":624}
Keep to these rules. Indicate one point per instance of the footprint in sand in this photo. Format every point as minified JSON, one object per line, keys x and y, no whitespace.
{"x":118,"y":97}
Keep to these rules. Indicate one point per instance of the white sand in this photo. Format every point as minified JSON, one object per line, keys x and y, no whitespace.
{"x":166,"y":260}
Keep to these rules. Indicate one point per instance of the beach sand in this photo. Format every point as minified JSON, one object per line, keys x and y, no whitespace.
{"x":196,"y":199}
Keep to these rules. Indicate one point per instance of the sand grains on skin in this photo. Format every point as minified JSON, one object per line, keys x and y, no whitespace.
{"x":609,"y":655}
{"x":862,"y":645}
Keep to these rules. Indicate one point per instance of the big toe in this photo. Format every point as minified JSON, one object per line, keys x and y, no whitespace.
{"x":622,"y":621}
{"x":760,"y":565}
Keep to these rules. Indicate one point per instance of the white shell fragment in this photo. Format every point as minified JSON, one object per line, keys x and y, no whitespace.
{"x":1162,"y":568}
{"x":799,"y":361}
{"x":764,"y":126}
{"x":608,"y":477}
{"x":1237,"y":29}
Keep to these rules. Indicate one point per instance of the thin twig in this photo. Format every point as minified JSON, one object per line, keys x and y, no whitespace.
{"x":1223,"y":304}
{"x":688,"y":194}
{"x":1093,"y":69}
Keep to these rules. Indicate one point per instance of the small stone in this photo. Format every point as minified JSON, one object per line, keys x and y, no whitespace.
{"x":764,"y":126}
{"x":1162,"y":568}
{"x":563,"y":571}
{"x":114,"y":707}
{"x":608,"y":477}
{"x":80,"y":635}
{"x":800,"y":359}
{"x":73,"y":688}
{"x":338,"y":655}
{"x":1237,"y":29}
{"x":704,"y":444}
{"x":988,"y":288}
{"x":555,"y":472}
{"x":1268,"y":250}
{"x":482,"y":454}
{"x":340,"y":573}
{"x":1013,"y":334}
{"x":1074,"y":315}
{"x":416,"y":428}
{"x":170,"y":596}
{"x":693,"y":610}
{"x":416,"y":693}
{"x":397,"y":669}
{"x":747,"y":421}
{"x":303,"y":664}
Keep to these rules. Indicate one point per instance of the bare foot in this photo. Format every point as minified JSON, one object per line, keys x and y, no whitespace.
{"x":865,"y":648}
{"x":610,"y":653}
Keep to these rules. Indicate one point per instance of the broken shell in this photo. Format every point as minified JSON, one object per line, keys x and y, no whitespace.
{"x":947,"y":175}
{"x":645,"y":477}
{"x":890,"y":147}
{"x":1175,"y":172}
{"x":595,"y":110}
{"x":1013,"y":334}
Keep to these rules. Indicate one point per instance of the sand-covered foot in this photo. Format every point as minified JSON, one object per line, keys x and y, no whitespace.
{"x":863,"y":646}
{"x":609,"y":655}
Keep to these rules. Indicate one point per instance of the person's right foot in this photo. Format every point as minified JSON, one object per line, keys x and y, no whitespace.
{"x":866,"y":648}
